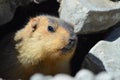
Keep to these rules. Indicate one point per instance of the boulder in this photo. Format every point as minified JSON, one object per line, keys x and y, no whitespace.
{"x":8,"y":7}
{"x":92,"y":63}
{"x":107,"y":52}
{"x":90,"y":16}
{"x":103,"y":76}
{"x":81,"y":75}
{"x":6,"y":13}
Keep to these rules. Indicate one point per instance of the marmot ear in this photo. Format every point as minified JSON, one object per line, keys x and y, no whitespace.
{"x":34,"y":21}
{"x":28,"y":29}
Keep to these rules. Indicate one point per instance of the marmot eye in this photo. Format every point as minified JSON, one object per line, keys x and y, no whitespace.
{"x":51,"y":29}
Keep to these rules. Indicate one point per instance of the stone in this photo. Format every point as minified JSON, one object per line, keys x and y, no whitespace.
{"x":62,"y":77}
{"x":90,"y":16}
{"x":5,"y":13}
{"x":103,"y":76}
{"x":115,"y":75}
{"x":108,"y":52}
{"x":8,"y":8}
{"x":93,"y":64}
{"x":81,"y":75}
{"x":38,"y":76}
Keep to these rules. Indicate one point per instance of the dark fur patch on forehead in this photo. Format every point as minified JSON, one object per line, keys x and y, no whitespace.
{"x":66,"y":25}
{"x":69,"y":27}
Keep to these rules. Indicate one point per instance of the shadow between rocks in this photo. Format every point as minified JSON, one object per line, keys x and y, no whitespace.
{"x":85,"y":43}
{"x":114,"y":33}
{"x":93,"y":64}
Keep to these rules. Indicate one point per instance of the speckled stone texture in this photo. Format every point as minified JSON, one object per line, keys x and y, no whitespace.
{"x":90,"y":16}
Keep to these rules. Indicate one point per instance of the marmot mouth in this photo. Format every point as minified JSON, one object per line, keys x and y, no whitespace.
{"x":69,"y":46}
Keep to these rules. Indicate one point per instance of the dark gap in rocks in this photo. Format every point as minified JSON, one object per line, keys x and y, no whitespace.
{"x":111,"y":30}
{"x":85,"y":43}
{"x":23,"y":13}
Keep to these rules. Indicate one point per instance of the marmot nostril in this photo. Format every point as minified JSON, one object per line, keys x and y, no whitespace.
{"x":71,"y":43}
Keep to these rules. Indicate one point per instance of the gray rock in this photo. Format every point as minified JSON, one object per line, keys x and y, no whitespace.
{"x":108,"y":52}
{"x":90,"y":16}
{"x":1,"y":79}
{"x":81,"y":75}
{"x":5,"y":13}
{"x":8,"y":7}
{"x":93,"y":64}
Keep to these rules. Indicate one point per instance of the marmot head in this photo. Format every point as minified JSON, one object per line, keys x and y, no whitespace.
{"x":45,"y":38}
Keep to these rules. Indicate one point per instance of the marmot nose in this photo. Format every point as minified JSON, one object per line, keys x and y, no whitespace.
{"x":72,"y":42}
{"x":73,"y":38}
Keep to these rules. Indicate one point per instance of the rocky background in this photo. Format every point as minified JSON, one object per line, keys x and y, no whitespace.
{"x":97,"y":25}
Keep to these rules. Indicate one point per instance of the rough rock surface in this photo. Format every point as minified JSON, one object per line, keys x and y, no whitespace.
{"x":107,"y":52}
{"x":8,"y":7}
{"x":90,"y":16}
{"x":92,"y":63}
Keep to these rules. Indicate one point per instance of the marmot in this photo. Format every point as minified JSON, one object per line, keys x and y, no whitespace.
{"x":45,"y":45}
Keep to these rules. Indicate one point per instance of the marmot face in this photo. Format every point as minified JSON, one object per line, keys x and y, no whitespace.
{"x":45,"y":38}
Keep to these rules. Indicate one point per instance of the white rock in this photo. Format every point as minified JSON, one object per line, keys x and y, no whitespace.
{"x":116,"y":75}
{"x":38,"y":76}
{"x":84,"y":75}
{"x":103,"y":76}
{"x":90,"y":16}
{"x":108,"y":51}
{"x":62,"y":77}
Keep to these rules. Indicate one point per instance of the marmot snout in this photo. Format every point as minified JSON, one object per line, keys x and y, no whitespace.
{"x":46,"y":45}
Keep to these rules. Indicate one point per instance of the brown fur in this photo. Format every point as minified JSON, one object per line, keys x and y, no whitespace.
{"x":35,"y":49}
